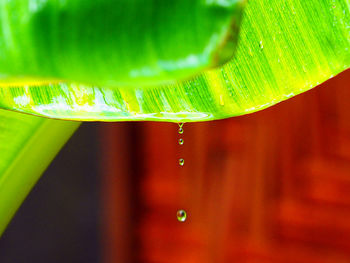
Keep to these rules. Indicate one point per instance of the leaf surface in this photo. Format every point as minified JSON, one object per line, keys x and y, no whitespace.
{"x":285,"y":48}
{"x":27,"y":146}
{"x":115,"y":42}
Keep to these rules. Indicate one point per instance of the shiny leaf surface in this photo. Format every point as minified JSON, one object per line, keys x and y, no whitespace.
{"x":114,"y":42}
{"x":285,"y":48}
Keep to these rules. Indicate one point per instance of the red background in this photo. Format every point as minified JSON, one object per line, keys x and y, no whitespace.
{"x":273,"y":186}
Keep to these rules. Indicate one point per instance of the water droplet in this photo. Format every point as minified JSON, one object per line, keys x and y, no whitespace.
{"x":181,"y":215}
{"x":261,"y":45}
{"x":181,"y":130}
{"x":181,"y":141}
{"x":181,"y":162}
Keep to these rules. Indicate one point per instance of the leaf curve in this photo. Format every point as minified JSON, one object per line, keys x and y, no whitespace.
{"x":115,"y":42}
{"x":27,"y":145}
{"x":285,"y":48}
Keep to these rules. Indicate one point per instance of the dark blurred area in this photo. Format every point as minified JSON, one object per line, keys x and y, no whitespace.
{"x":59,"y":220}
{"x":272,"y":186}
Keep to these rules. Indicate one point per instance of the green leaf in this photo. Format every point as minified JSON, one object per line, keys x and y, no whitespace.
{"x":285,"y":48}
{"x":27,"y":145}
{"x":114,"y":42}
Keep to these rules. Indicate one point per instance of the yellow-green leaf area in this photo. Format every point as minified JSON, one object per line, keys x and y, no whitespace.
{"x":27,"y":145}
{"x":285,"y":48}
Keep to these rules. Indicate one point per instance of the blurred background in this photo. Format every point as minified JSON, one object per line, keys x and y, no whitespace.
{"x":273,"y":186}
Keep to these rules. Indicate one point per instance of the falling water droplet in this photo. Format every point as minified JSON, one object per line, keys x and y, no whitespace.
{"x":261,"y":45}
{"x":181,"y":162}
{"x":181,"y":215}
{"x":181,"y":130}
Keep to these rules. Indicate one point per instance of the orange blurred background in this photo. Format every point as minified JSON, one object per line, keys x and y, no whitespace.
{"x":270,"y":187}
{"x":273,"y":186}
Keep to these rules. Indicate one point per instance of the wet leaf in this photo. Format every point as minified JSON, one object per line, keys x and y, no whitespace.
{"x":285,"y":48}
